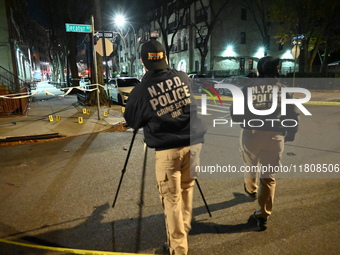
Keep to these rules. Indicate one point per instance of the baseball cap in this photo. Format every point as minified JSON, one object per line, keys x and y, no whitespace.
{"x":268,"y":66}
{"x":153,"y":55}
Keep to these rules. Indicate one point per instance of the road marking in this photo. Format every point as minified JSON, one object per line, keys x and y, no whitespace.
{"x":322,"y":103}
{"x":215,"y":110}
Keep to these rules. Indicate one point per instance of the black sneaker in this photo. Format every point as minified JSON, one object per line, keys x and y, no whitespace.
{"x":253,"y":195}
{"x":261,"y":222}
{"x":166,"y":249}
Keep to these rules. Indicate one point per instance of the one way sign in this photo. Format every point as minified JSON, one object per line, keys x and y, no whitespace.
{"x":298,"y":37}
{"x":296,"y":40}
{"x":106,"y":34}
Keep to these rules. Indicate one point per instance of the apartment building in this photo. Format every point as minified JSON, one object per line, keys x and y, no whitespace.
{"x":237,"y":39}
{"x":14,"y":50}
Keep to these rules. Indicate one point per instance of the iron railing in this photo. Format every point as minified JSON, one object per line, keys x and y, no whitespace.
{"x":11,"y":85}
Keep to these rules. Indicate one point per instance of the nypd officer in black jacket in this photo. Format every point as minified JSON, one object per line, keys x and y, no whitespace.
{"x":263,"y":136}
{"x":163,"y":105}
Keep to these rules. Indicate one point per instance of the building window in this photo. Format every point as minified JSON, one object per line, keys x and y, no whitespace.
{"x":243,"y":14}
{"x":250,"y":64}
{"x":267,"y":42}
{"x":185,"y":44}
{"x":243,"y":38}
{"x":172,"y":27}
{"x":179,"y":44}
{"x":197,"y":66}
{"x":199,"y":42}
{"x":186,"y":20}
{"x":242,"y":62}
{"x":201,"y":15}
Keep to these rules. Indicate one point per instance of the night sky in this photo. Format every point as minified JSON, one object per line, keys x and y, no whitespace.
{"x":133,"y":9}
{"x":36,"y":12}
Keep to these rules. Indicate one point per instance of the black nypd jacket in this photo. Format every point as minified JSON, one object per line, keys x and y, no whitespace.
{"x":262,"y":99}
{"x":163,"y":105}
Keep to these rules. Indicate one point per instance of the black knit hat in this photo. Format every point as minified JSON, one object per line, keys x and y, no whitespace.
{"x":153,"y":55}
{"x":268,"y":66}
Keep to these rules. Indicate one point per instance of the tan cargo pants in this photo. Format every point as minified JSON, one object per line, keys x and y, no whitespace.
{"x":175,"y":187}
{"x":261,"y":148}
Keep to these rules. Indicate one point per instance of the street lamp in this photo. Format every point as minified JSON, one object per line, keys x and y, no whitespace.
{"x":229,"y":51}
{"x":120,"y":21}
{"x":260,"y":52}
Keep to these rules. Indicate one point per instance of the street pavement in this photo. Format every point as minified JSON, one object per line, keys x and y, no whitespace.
{"x":60,"y":192}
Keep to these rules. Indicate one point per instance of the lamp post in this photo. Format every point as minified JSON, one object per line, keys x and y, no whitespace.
{"x":120,"y":21}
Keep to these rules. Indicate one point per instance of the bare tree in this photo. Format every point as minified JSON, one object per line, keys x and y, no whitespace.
{"x":58,"y":41}
{"x":64,"y":45}
{"x":331,"y":42}
{"x":314,"y":19}
{"x":204,"y":29}
{"x":169,"y":16}
{"x":260,"y":12}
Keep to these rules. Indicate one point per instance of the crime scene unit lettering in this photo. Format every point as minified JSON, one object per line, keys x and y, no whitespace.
{"x":169,"y":97}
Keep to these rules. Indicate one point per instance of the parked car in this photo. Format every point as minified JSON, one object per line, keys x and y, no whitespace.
{"x":199,"y":80}
{"x":237,"y":81}
{"x":119,"y":88}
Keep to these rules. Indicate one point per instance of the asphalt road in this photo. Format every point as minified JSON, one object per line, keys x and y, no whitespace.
{"x":59,"y":193}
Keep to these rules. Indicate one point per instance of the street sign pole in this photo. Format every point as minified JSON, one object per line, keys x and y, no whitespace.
{"x":105,"y":57}
{"x":106,"y":68}
{"x":95,"y":72}
{"x":296,"y":53}
{"x":296,"y":41}
{"x":294,"y":70}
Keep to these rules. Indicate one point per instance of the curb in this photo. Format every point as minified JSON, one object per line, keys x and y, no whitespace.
{"x":30,"y":137}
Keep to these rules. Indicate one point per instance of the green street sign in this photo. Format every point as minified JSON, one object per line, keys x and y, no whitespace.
{"x":78,"y":28}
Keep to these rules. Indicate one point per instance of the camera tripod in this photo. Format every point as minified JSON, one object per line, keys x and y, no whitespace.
{"x":135,"y":131}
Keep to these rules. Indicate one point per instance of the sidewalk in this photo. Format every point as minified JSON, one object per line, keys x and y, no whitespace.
{"x":38,"y":125}
{"x":51,"y":116}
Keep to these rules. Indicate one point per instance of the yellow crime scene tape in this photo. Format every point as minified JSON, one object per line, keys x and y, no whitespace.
{"x":68,"y":250}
